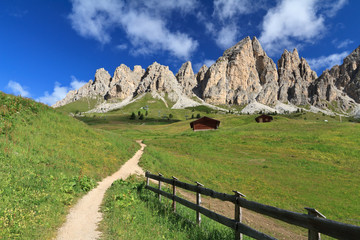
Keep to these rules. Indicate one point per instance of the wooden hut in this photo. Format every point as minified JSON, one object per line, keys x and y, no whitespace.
{"x":205,"y":123}
{"x":264,"y":118}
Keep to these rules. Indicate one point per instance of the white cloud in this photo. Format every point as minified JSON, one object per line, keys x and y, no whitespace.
{"x":75,"y":83}
{"x":144,"y":22}
{"x":230,"y":8}
{"x":59,"y":92}
{"x":289,"y":21}
{"x":342,"y":44}
{"x":292,"y":23}
{"x":17,"y":89}
{"x":334,"y":7}
{"x":328,"y":62}
{"x":226,"y":37}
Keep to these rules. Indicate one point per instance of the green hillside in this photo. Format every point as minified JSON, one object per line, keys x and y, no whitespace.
{"x":298,"y":160}
{"x":48,"y":160}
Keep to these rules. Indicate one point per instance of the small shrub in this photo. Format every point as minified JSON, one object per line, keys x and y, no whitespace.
{"x":141,"y":117}
{"x":198,"y":115}
{"x":133,"y":116}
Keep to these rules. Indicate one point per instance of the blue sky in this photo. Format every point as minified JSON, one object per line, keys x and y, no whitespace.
{"x":48,"y":47}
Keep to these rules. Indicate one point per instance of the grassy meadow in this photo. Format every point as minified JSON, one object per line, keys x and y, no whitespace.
{"x":129,"y":207}
{"x":47,"y":161}
{"x":296,"y":161}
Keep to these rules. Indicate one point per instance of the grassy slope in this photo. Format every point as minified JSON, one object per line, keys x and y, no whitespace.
{"x":129,"y":207}
{"x":81,"y":105}
{"x":287,"y":163}
{"x":294,"y":162}
{"x":47,"y":160}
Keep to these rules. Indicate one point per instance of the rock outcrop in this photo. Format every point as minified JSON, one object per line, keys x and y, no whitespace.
{"x":295,"y":77}
{"x":339,"y":86}
{"x":124,"y":82}
{"x":158,"y":78}
{"x":243,"y":74}
{"x":187,"y":79}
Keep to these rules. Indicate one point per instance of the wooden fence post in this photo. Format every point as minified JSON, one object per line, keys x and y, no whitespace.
{"x":159,"y":195}
{"x":314,"y":235}
{"x":198,"y":202}
{"x":174,"y":194}
{"x":147,"y":178}
{"x":238,"y":213}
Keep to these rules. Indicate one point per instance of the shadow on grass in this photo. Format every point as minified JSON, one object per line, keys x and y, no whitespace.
{"x":96,"y":120}
{"x":179,"y":221}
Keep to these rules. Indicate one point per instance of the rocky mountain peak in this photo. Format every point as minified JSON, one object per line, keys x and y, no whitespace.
{"x":159,"y":79}
{"x":186,"y":78}
{"x":124,"y":82}
{"x":345,"y":79}
{"x":243,"y":75}
{"x":201,"y":74}
{"x":295,"y":76}
{"x":353,"y":57}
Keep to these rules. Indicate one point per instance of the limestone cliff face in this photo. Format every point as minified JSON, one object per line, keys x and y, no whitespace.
{"x":186,"y":78}
{"x":244,"y":73}
{"x":348,"y":75}
{"x":159,"y":79}
{"x":340,"y":85}
{"x":295,"y":77}
{"x":124,"y":82}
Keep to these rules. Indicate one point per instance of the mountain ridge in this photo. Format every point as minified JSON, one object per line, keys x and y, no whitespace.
{"x":243,"y":75}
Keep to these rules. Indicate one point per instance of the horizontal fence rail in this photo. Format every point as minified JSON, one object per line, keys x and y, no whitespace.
{"x":314,"y":221}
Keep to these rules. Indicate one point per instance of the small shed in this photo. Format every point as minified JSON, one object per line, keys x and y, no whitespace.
{"x":205,"y":123}
{"x":264,"y":118}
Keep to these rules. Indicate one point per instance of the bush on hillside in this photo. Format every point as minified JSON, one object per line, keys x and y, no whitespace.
{"x":133,"y":116}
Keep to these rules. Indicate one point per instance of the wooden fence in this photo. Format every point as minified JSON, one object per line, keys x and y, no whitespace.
{"x":314,"y":221}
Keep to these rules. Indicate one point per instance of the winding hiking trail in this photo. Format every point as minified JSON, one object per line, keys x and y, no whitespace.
{"x":82,"y":221}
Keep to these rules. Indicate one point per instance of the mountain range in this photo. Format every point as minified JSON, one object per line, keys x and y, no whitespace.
{"x":244,"y":75}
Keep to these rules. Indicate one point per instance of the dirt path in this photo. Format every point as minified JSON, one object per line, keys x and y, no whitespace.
{"x":83,"y":219}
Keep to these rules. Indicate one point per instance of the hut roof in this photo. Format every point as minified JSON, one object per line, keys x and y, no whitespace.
{"x":263,"y":116}
{"x":204,"y":120}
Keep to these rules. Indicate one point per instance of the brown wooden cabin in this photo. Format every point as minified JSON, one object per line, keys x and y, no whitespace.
{"x":264,"y":118}
{"x":204,"y":123}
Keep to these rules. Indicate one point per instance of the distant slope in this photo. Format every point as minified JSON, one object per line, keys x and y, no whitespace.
{"x":47,"y":160}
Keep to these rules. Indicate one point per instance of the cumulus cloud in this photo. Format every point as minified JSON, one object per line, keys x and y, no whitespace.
{"x":291,"y":20}
{"x":59,"y":92}
{"x":144,"y":23}
{"x":327,"y":62}
{"x":229,"y":8}
{"x":17,"y":89}
{"x":227,"y":36}
{"x":76,"y":83}
{"x":291,"y":23}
